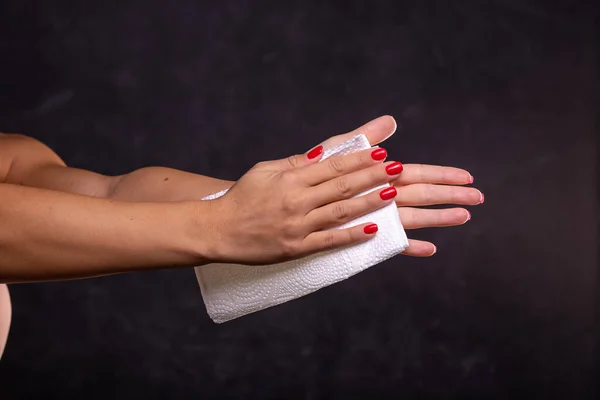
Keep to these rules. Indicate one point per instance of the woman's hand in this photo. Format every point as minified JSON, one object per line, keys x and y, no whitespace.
{"x":421,"y":185}
{"x":281,"y":210}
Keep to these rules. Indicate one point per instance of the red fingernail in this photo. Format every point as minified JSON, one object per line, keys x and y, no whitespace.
{"x":371,"y":229}
{"x":379,"y":154}
{"x":468,"y":215}
{"x":394,"y":169}
{"x":388,"y":193}
{"x":314,"y":153}
{"x":472,"y":180}
{"x":482,"y":199}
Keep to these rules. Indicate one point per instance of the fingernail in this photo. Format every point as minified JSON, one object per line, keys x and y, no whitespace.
{"x":371,"y":229}
{"x":394,"y":169}
{"x":314,"y":153}
{"x":388,"y":193}
{"x":482,"y":198}
{"x":468,"y":215}
{"x":434,"y":250}
{"x":379,"y":154}
{"x":472,"y":180}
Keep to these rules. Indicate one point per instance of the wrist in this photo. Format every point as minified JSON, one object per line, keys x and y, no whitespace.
{"x":202,"y":231}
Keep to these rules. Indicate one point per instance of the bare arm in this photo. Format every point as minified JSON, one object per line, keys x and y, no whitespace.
{"x":164,"y":184}
{"x":59,"y":222}
{"x":26,"y":161}
{"x":48,"y":235}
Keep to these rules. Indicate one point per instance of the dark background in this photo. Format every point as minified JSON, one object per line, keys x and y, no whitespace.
{"x":505,"y":89}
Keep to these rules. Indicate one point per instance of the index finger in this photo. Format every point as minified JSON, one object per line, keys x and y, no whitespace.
{"x":333,"y":167}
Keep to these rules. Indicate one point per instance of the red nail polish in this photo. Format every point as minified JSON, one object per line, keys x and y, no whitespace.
{"x":482,"y":199}
{"x":371,"y":228}
{"x":468,"y":215}
{"x":314,"y":153}
{"x":388,"y":193}
{"x":394,"y":169}
{"x":379,"y":154}
{"x":472,"y":180}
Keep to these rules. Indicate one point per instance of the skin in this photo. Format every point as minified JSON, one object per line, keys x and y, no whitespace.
{"x":58,"y":222}
{"x":423,"y":185}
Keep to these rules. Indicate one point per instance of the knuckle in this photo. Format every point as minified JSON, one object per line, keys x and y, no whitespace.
{"x":428,"y":194}
{"x":329,"y":240}
{"x":362,"y":159}
{"x":421,"y":173}
{"x":455,"y":195}
{"x":343,"y":186}
{"x":293,"y":161}
{"x":291,"y":227}
{"x":290,"y":204}
{"x":290,"y":249}
{"x":444,"y":172}
{"x":289,"y":178}
{"x":337,"y":165}
{"x":414,"y":217}
{"x":340,"y":211}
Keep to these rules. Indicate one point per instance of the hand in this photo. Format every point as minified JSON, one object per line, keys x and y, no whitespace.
{"x":421,"y":185}
{"x":281,"y":210}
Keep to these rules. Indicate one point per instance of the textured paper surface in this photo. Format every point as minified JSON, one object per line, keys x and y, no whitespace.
{"x":231,"y":291}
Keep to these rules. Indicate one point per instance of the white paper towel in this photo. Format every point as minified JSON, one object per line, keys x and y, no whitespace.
{"x":231,"y":291}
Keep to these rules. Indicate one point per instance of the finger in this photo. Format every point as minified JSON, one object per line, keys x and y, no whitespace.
{"x":335,"y":166}
{"x":337,"y":238}
{"x":416,"y":218}
{"x":425,"y":195}
{"x":301,"y":160}
{"x":350,"y":185}
{"x":418,"y":248}
{"x":376,"y":132}
{"x":340,"y":212}
{"x":420,"y":173}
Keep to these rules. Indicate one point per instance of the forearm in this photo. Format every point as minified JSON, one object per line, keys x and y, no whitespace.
{"x":49,"y":235}
{"x":164,"y":184}
{"x":25,"y":161}
{"x":145,"y":184}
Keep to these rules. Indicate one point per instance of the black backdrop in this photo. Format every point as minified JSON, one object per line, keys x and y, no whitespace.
{"x":502,"y":88}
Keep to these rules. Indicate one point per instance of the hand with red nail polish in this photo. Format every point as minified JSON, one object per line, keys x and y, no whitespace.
{"x":421,"y":185}
{"x":285,"y":209}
